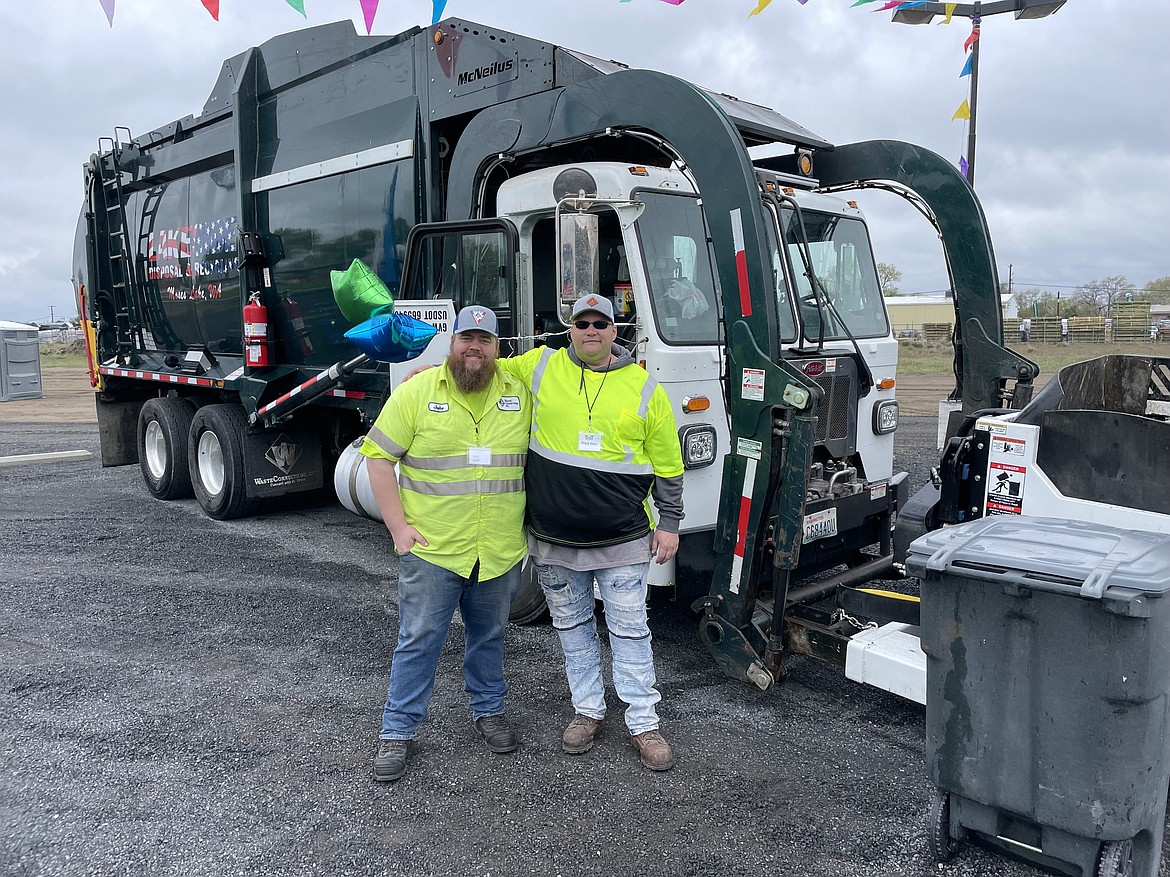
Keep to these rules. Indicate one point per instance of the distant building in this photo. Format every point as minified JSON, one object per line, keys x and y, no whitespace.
{"x":909,"y":313}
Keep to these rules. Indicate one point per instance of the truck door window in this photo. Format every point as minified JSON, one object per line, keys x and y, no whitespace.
{"x":678,"y":266}
{"x":785,"y":319}
{"x":844,"y":267}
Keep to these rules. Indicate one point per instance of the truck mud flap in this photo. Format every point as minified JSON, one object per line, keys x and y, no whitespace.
{"x":281,"y":461}
{"x":118,"y":431}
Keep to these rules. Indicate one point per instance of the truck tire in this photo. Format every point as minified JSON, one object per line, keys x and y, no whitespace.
{"x":528,"y":604}
{"x":163,"y":427}
{"x":215,"y":453}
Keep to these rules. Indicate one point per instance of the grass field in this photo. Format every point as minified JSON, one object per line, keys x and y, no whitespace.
{"x":921,"y":358}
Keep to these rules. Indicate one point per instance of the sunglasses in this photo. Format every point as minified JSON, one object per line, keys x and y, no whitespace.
{"x":596,"y":324}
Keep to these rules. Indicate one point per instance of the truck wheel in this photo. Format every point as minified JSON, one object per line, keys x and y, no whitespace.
{"x":163,"y":427}
{"x":215,"y":454}
{"x":1116,"y":859}
{"x":528,"y":604}
{"x":942,"y":846}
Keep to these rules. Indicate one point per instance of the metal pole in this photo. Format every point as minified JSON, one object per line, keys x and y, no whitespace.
{"x":975,"y":19}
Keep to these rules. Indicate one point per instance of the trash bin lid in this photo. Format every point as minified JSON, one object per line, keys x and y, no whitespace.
{"x":1051,"y":554}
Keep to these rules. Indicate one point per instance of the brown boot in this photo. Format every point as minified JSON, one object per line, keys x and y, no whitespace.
{"x":653,"y":750}
{"x":578,"y":737}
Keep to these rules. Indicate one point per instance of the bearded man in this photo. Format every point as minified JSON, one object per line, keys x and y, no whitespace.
{"x":459,"y":435}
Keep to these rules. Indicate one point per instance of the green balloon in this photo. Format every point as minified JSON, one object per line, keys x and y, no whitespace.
{"x":360,"y":293}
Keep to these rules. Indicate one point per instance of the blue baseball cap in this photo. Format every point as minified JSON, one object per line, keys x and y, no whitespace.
{"x":477,"y":317}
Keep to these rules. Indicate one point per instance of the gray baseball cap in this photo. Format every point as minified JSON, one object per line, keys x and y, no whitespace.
{"x":591,"y":302}
{"x":477,"y":317}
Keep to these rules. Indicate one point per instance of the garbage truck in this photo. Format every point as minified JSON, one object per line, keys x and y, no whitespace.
{"x":465,"y":164}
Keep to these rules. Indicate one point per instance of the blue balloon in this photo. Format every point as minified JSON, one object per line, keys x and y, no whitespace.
{"x":392,"y":337}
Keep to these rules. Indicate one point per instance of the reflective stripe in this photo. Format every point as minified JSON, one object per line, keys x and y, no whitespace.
{"x":461,"y":488}
{"x":439,"y":464}
{"x":625,"y":468}
{"x":383,"y":441}
{"x":648,"y":389}
{"x":537,"y":376}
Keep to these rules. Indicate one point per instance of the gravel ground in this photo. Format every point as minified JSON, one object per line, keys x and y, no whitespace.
{"x":187,"y":696}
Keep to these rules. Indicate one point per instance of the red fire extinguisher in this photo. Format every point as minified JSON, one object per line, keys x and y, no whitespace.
{"x":255,"y":333}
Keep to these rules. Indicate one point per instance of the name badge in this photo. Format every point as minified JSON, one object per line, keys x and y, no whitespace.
{"x":588,"y":441}
{"x":509,"y":403}
{"x":479,"y":456}
{"x":438,"y":406}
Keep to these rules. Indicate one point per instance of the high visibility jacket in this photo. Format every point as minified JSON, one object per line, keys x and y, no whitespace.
{"x":579,"y":493}
{"x":466,"y":510}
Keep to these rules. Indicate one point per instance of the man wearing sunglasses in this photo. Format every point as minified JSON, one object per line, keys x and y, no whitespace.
{"x":604,"y":440}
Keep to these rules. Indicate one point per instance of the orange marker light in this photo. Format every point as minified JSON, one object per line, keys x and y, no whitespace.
{"x":886,"y":384}
{"x":692,"y":404}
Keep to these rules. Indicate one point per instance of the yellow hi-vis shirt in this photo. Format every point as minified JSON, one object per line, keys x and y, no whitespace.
{"x":466,"y":507}
{"x":599,"y":439}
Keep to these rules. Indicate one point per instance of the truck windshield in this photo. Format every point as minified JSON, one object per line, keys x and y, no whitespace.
{"x":844,"y":267}
{"x":678,"y":266}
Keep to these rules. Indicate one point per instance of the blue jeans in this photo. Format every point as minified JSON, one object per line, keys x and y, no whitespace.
{"x":569,"y":595}
{"x":427,"y":597}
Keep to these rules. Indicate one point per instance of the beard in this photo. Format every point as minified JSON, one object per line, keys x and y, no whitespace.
{"x":472,"y":373}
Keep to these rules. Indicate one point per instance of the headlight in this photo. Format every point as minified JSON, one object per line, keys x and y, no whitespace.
{"x":885,"y":417}
{"x":698,"y":445}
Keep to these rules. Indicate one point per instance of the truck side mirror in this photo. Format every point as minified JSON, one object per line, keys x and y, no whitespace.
{"x":578,"y":255}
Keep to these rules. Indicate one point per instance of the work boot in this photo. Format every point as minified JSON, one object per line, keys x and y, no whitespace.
{"x":578,"y":737}
{"x":497,"y":733}
{"x":653,"y":750}
{"x":390,"y":762}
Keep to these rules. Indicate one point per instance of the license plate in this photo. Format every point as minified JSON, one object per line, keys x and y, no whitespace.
{"x":820,"y":525}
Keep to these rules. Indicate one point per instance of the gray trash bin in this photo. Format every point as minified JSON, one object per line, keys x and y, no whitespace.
{"x":1047,"y":674}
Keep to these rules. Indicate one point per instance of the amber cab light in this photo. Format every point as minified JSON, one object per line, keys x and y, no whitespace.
{"x":886,"y":384}
{"x":691,"y":404}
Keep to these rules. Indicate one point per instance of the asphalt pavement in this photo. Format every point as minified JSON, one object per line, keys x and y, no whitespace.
{"x":183,"y":696}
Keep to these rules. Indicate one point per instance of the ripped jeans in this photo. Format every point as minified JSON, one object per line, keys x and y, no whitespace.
{"x":569,"y":594}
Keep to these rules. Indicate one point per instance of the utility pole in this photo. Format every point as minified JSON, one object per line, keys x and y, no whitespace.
{"x":922,"y":14}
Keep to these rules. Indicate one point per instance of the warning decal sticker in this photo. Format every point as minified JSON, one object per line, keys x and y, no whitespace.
{"x":753,"y":384}
{"x":1009,"y":447}
{"x":1005,"y":489}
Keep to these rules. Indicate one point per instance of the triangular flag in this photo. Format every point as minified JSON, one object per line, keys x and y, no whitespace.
{"x":108,"y":5}
{"x":862,"y":3}
{"x":679,"y":2}
{"x":439,"y":4}
{"x":212,"y":6}
{"x":967,"y":67}
{"x":760,"y":7}
{"x":950,"y":7}
{"x":911,"y":4}
{"x":963,"y":166}
{"x":963,"y":112}
{"x":298,"y":5}
{"x":971,"y":39}
{"x":893,"y":4}
{"x":369,"y":10}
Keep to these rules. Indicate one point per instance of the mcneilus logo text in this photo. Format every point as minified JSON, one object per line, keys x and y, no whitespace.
{"x":492,"y":69}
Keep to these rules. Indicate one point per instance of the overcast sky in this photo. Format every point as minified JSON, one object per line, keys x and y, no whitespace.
{"x":1073,"y":160}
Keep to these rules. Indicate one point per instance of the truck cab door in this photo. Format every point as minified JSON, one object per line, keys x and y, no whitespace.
{"x":470,"y":263}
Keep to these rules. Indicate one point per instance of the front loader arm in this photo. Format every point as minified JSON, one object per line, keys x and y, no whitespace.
{"x":983,"y":365}
{"x":764,"y":478}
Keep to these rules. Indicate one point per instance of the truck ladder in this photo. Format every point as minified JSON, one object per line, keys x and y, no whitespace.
{"x":123,"y":280}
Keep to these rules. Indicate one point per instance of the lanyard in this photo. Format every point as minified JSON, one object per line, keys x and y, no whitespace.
{"x":583,"y":389}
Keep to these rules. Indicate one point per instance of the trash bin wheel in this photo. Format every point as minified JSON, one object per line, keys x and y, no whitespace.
{"x":1116,"y":859}
{"x":943,"y":847}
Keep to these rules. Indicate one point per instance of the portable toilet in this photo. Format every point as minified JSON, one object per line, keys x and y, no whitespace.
{"x":20,"y":362}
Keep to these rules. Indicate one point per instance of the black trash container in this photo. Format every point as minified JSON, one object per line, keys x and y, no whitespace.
{"x":1047,"y":648}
